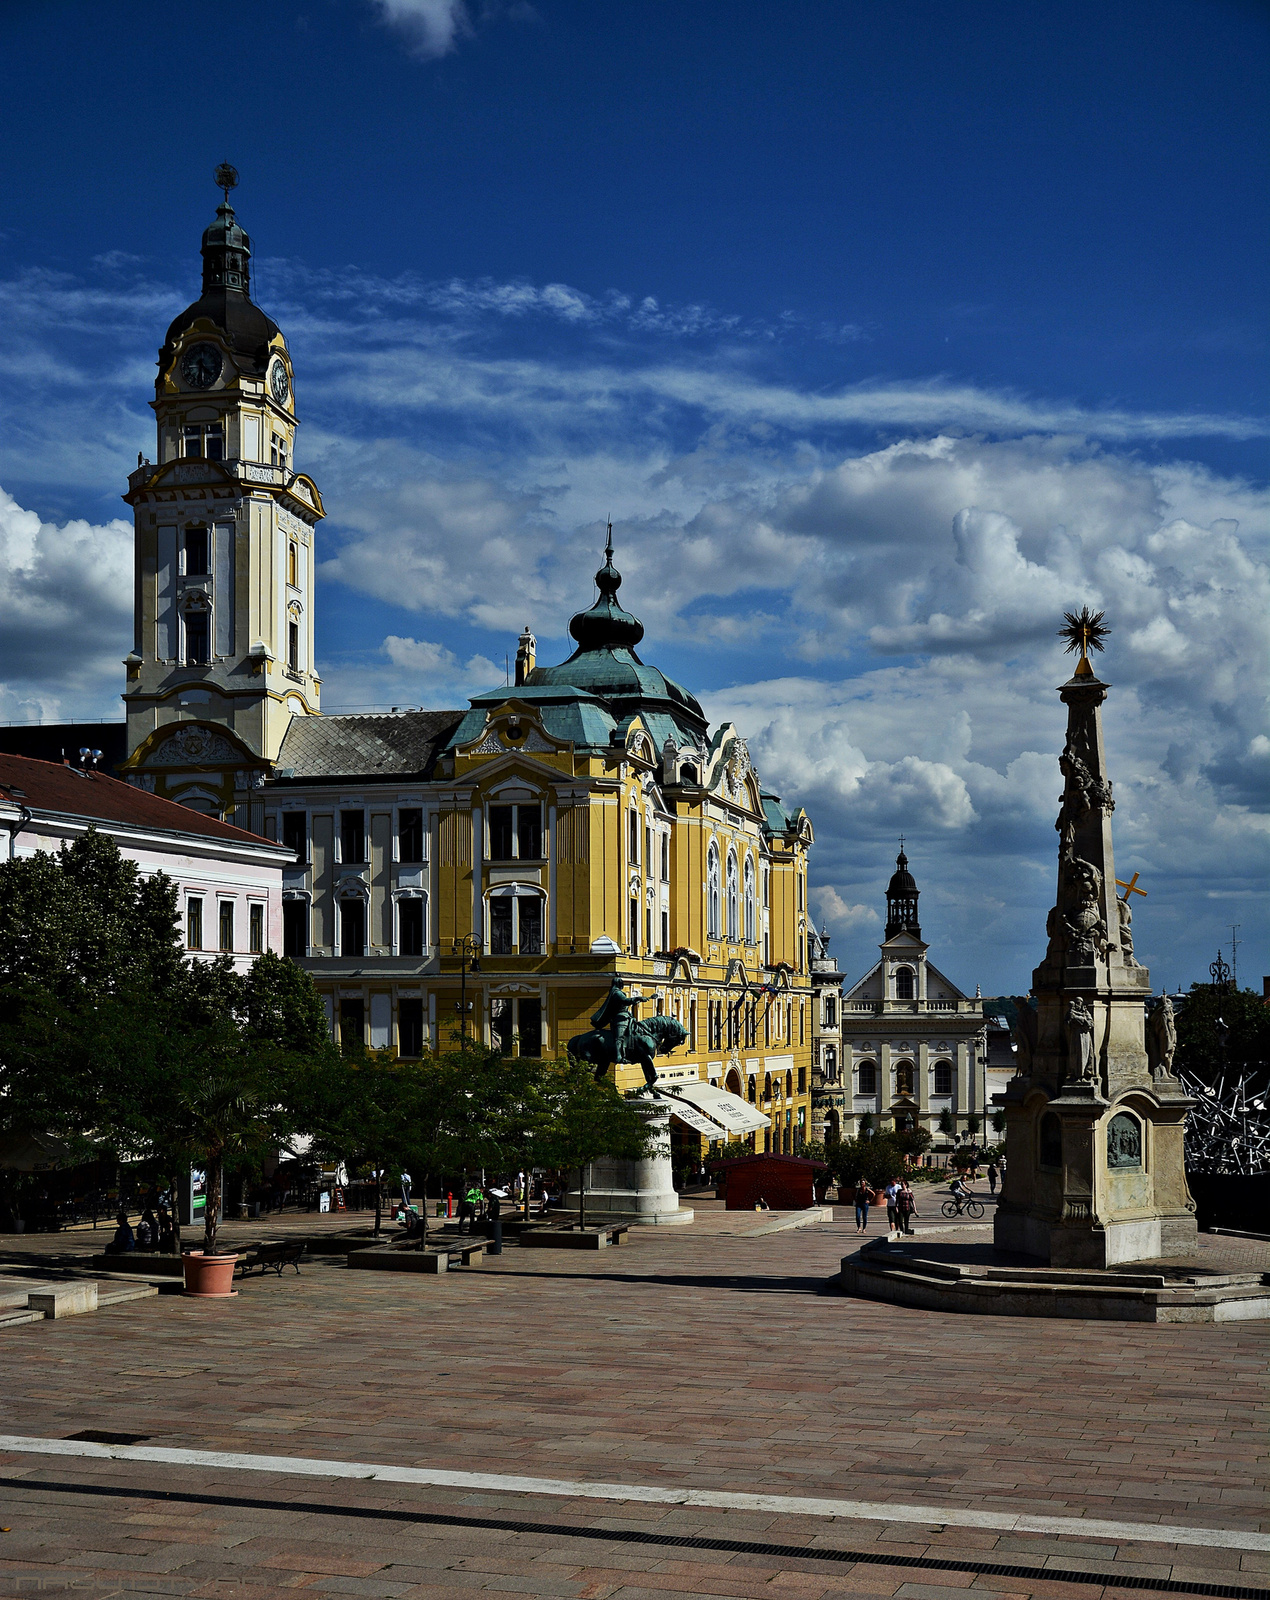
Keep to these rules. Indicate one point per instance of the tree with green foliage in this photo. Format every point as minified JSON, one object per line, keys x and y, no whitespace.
{"x":589,"y":1120}
{"x":947,"y":1125}
{"x":1201,"y":1049}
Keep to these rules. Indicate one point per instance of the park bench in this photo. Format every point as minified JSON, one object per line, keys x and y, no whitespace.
{"x":574,"y":1238}
{"x":272,"y":1258}
{"x":390,"y":1259}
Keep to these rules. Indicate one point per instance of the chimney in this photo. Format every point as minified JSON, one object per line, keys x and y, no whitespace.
{"x":525,"y":652}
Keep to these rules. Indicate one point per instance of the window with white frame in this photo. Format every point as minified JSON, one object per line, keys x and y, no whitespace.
{"x":515,"y":832}
{"x":942,"y":1077}
{"x":515,"y":924}
{"x":713,"y":902}
{"x":256,"y":928}
{"x":665,"y":858}
{"x":412,"y":925}
{"x":751,"y":911}
{"x":734,"y":898}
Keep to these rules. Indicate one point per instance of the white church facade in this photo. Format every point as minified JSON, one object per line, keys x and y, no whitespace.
{"x":913,"y":1044}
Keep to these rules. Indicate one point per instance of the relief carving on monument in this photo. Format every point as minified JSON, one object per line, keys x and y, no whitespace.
{"x":1124,"y":1142}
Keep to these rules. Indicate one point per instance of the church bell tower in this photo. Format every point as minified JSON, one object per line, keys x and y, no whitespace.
{"x":222,"y":655}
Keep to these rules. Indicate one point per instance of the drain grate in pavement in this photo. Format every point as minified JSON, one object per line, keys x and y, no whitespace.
{"x":789,"y":1552}
{"x":96,"y":1436}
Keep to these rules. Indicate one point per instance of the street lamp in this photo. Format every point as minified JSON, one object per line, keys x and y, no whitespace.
{"x":468,"y":949}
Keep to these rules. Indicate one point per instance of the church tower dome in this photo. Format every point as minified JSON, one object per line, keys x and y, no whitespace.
{"x":901,"y":900}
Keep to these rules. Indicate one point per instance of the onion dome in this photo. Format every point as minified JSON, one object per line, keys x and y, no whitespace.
{"x":226,"y":298}
{"x":605,"y":662}
{"x":901,"y":900}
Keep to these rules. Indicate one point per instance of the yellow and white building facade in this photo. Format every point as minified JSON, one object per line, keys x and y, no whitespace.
{"x":485,"y":870}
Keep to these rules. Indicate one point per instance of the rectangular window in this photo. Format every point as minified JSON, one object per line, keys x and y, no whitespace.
{"x":410,"y":929}
{"x":197,"y":552}
{"x":293,"y":646}
{"x":501,"y":832}
{"x":802,"y":1082}
{"x":410,"y":835}
{"x":767,"y":948}
{"x":226,"y":926}
{"x":648,"y":846}
{"x":215,"y":445}
{"x":293,"y":564}
{"x":634,"y":929}
{"x":295,"y":927}
{"x":943,"y":1077}
{"x":648,"y":930}
{"x":665,"y":858}
{"x":634,"y":838}
{"x":529,"y":911}
{"x":256,"y":929}
{"x":529,"y":1016}
{"x":352,"y":929}
{"x":665,"y":930}
{"x":831,"y":1013}
{"x":529,"y":832}
{"x":295,"y":833}
{"x":801,"y":887}
{"x":692,"y":1024}
{"x":196,"y":638}
{"x":193,"y":442}
{"x":352,"y":1024}
{"x":802,"y":1023}
{"x":410,"y":1027}
{"x":500,"y":926}
{"x":353,"y":837}
{"x":194,"y":924}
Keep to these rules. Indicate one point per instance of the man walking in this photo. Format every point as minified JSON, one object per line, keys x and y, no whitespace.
{"x":892,"y":1205}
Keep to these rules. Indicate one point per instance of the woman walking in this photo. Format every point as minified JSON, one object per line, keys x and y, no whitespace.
{"x":863,"y":1200}
{"x":906,"y":1206}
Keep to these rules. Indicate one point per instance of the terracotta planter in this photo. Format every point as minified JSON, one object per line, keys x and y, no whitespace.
{"x":211,"y":1277}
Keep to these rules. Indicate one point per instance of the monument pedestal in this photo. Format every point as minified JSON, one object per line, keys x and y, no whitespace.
{"x":639,"y":1192}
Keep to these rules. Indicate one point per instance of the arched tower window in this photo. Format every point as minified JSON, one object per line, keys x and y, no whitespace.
{"x":905,"y":986}
{"x":751,"y":919}
{"x":713,"y":907}
{"x":734,"y":898}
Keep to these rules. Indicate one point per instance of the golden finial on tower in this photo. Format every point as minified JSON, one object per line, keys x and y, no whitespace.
{"x":1083,"y":630}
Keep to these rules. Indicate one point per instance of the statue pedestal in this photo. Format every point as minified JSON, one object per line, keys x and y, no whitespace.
{"x":640,"y":1192}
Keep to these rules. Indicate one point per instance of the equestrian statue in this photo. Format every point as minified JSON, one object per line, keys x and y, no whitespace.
{"x":618,"y":1035}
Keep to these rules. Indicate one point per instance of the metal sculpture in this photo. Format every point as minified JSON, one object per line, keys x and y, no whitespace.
{"x":617,"y":1034}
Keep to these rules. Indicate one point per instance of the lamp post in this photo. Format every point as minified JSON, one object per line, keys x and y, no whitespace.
{"x":468,"y":949}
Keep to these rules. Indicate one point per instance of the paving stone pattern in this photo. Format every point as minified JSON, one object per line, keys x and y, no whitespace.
{"x":688,"y":1357}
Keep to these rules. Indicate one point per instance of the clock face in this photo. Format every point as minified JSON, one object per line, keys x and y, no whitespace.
{"x":279,"y":383}
{"x":200,"y":365}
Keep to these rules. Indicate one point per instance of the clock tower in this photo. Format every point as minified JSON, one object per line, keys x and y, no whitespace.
{"x":222,"y":655}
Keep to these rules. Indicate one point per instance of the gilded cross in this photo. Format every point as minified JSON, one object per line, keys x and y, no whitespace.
{"x":1131,"y":887}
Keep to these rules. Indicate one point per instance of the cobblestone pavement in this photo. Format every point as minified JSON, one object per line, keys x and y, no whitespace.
{"x":689,"y":1357}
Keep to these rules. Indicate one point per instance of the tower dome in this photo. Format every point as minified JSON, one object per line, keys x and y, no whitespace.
{"x":901,"y":900}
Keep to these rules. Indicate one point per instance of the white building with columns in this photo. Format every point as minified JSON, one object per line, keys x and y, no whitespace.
{"x":913,"y":1044}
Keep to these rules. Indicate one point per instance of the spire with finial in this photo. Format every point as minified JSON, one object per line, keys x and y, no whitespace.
{"x":1083,"y":630}
{"x":901,"y":899}
{"x":226,"y":247}
{"x":606,"y":626}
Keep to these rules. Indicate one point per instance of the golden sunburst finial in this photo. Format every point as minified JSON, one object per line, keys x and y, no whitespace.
{"x":1084,"y":630}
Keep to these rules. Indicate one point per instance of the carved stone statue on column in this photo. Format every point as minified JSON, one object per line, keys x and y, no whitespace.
{"x":1080,"y":1042}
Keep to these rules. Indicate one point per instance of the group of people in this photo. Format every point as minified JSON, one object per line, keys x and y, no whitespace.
{"x":898,"y":1197}
{"x":153,"y":1232}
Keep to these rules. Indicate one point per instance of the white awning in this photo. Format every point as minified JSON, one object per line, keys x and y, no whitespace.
{"x":729,"y":1110}
{"x":690,"y":1115}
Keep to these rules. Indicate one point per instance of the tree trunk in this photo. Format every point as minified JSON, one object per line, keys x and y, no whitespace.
{"x":211,"y":1215}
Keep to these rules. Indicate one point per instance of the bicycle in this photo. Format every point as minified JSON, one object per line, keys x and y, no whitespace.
{"x":969,"y":1208}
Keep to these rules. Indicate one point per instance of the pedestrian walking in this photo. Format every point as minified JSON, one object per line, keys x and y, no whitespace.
{"x":864,"y":1198}
{"x":993,"y":1175}
{"x":906,"y":1206}
{"x":892,"y":1207}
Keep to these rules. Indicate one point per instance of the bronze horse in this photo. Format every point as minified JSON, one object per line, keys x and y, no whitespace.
{"x":641,"y":1042}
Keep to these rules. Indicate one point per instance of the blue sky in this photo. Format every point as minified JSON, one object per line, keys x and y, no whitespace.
{"x":884,"y":333}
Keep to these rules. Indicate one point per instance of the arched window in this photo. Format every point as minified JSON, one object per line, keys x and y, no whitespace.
{"x":713,"y":928}
{"x":789,"y":1085}
{"x":868,"y":1079}
{"x":942,"y":1077}
{"x":904,"y":1078}
{"x":751,"y":918}
{"x":904,"y":988}
{"x":734,"y":899}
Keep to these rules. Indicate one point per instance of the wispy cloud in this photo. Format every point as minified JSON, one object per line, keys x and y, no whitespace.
{"x":430,"y":28}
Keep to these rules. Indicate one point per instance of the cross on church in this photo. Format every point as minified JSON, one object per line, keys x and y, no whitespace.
{"x":1131,"y":887}
{"x":901,"y":841}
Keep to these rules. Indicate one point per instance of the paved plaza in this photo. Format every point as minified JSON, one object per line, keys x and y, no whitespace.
{"x":715,"y":1358}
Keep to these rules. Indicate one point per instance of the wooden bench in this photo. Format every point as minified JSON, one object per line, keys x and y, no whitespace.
{"x":574,"y":1238}
{"x":272,"y":1258}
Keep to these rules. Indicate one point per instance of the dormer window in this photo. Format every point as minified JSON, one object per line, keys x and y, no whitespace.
{"x":904,"y":984}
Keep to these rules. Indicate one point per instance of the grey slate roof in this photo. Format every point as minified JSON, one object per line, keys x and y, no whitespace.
{"x":375,"y":746}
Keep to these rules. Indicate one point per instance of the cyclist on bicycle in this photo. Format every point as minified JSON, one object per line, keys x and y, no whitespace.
{"x":959,"y":1191}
